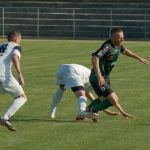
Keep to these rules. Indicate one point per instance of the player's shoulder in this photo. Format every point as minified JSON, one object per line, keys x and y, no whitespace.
{"x":18,"y":47}
{"x":106,"y":46}
{"x":15,"y":46}
{"x":107,"y":43}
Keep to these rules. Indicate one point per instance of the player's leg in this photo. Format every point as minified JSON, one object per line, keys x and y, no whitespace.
{"x":15,"y":106}
{"x":82,"y":113}
{"x":101,"y":105}
{"x":60,"y":80}
{"x":111,"y":100}
{"x":81,"y":95}
{"x":55,"y":100}
{"x":101,"y":102}
{"x":12,"y":86}
{"x":102,"y":93}
{"x":93,"y":103}
{"x":74,"y":81}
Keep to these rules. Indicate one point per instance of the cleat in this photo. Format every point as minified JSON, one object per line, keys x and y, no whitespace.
{"x":82,"y":118}
{"x":7,"y":124}
{"x":89,"y":115}
{"x":90,"y":109}
{"x":79,"y":117}
{"x":95,"y":120}
{"x":52,"y":115}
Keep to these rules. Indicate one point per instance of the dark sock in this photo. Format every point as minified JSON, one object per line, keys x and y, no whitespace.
{"x":101,"y":105}
{"x":94,"y":103}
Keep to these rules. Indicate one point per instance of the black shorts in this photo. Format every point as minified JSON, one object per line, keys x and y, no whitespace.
{"x":77,"y":88}
{"x":102,"y":91}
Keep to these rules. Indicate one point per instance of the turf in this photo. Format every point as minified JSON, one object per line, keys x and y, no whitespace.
{"x":36,"y":131}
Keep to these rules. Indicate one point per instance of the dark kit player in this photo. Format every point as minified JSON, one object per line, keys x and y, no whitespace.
{"x":103,"y":60}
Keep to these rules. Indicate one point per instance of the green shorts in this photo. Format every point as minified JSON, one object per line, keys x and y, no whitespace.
{"x":102,"y":91}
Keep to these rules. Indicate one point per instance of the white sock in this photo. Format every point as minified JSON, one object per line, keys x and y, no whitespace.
{"x":17,"y":103}
{"x":81,"y":104}
{"x":56,"y":99}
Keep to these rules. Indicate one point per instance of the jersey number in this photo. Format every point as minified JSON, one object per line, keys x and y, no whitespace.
{"x":2,"y":49}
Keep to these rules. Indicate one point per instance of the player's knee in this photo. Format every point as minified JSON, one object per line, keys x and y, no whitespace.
{"x":113,"y":99}
{"x":24,"y":97}
{"x":101,"y":98}
{"x":80,"y":93}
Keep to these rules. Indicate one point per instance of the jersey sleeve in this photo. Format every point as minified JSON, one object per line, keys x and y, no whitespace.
{"x":101,"y":51}
{"x":17,"y":51}
{"x":122,"y":48}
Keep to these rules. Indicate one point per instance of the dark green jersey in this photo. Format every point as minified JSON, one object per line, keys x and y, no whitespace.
{"x":108,"y":55}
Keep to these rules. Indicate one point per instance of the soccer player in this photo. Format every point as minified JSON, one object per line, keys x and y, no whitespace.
{"x":103,"y":60}
{"x":11,"y":53}
{"x":76,"y":77}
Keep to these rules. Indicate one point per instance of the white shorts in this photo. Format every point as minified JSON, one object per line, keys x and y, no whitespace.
{"x":67,"y":76}
{"x":11,"y":86}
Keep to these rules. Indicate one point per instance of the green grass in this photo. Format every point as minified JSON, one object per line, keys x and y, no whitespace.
{"x":36,"y":131}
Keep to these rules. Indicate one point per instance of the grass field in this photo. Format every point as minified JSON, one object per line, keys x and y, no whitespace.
{"x":36,"y":131}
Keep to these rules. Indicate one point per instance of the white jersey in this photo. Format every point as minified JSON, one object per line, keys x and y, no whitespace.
{"x":72,"y":75}
{"x":6,"y":53}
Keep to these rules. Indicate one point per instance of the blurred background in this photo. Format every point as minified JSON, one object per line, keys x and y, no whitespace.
{"x":75,"y":19}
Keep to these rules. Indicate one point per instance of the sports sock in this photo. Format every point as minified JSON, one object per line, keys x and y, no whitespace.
{"x":56,"y":99}
{"x":94,"y":103}
{"x":102,"y":105}
{"x":81,"y":104}
{"x":17,"y":103}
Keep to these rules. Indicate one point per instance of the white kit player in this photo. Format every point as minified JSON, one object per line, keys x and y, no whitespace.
{"x":11,"y":53}
{"x":76,"y":77}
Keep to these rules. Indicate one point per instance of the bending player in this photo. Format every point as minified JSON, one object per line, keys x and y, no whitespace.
{"x":76,"y":77}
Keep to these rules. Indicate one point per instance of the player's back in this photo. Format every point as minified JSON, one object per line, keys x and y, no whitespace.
{"x":83,"y":71}
{"x":6,"y":52}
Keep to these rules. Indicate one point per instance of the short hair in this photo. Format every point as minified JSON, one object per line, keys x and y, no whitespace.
{"x":115,"y":30}
{"x":12,"y":34}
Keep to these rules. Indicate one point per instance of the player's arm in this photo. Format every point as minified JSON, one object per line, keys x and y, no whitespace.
{"x":125,"y":114}
{"x":96,"y":57}
{"x":111,"y":113}
{"x":91,"y":97}
{"x":95,"y":63}
{"x":16,"y":62}
{"x":129,"y":53}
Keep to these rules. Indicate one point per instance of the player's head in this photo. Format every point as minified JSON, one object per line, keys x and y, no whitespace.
{"x":14,"y":36}
{"x":117,"y":36}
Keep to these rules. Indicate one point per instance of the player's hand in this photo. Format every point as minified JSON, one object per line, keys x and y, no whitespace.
{"x":21,"y":80}
{"x":143,"y":60}
{"x":126,"y":115}
{"x":101,"y":82}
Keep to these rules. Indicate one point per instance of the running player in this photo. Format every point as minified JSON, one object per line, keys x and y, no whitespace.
{"x":11,"y":53}
{"x":103,"y":60}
